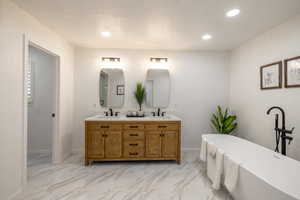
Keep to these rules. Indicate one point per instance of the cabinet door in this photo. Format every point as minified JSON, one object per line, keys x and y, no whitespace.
{"x":153,"y":144}
{"x":113,"y":144}
{"x":95,"y":144}
{"x":169,"y":144}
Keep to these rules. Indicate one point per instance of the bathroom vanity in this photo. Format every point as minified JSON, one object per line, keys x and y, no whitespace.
{"x":127,"y":139}
{"x":118,"y":138}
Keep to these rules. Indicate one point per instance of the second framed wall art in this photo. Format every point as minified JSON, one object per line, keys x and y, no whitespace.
{"x":292,"y":72}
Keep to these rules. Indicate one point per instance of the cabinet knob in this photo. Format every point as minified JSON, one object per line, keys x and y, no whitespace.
{"x":133,"y":126}
{"x":133,"y":144}
{"x":133,"y":135}
{"x":104,"y":126}
{"x":133,"y":154}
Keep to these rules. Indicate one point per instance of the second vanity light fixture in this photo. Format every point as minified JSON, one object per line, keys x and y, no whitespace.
{"x":159,"y":63}
{"x":158,"y":60}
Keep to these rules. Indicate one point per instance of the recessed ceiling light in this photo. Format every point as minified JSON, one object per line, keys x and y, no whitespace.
{"x":206,"y":37}
{"x":106,"y":34}
{"x":233,"y":12}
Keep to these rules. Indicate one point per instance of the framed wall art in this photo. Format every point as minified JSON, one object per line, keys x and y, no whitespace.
{"x":271,"y":76}
{"x":120,"y":90}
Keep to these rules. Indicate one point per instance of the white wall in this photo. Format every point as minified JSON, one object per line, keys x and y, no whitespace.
{"x":40,"y":121}
{"x":199,"y":82}
{"x":246,"y":98}
{"x":13,"y":23}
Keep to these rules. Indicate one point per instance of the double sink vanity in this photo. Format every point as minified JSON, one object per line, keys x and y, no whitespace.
{"x":125,"y":139}
{"x":114,"y":137}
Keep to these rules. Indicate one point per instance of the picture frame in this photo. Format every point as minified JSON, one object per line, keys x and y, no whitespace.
{"x":271,"y":76}
{"x":292,"y":72}
{"x":120,"y":89}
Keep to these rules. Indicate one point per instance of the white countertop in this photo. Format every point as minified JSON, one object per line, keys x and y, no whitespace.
{"x":124,"y":118}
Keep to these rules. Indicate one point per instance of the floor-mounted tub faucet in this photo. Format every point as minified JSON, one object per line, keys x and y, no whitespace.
{"x":281,"y":133}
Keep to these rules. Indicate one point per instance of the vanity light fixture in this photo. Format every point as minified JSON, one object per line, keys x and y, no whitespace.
{"x":158,"y":60}
{"x":111,"y":62}
{"x":106,"y":34}
{"x":110,"y":59}
{"x":206,"y":37}
{"x":233,"y":13}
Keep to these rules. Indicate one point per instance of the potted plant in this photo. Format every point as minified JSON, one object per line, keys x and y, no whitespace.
{"x":223,"y":122}
{"x":140,"y":94}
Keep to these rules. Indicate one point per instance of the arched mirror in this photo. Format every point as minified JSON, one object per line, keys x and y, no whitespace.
{"x":158,"y":86}
{"x":112,"y":88}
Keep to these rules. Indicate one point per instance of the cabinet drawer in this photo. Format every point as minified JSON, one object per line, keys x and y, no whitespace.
{"x":133,"y":126}
{"x":172,"y":127}
{"x":104,"y":126}
{"x":134,"y":135}
{"x":133,"y":149}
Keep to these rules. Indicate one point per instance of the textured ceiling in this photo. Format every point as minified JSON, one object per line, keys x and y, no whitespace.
{"x":159,"y":24}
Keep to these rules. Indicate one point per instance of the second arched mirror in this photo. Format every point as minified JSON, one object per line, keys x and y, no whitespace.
{"x":158,"y":87}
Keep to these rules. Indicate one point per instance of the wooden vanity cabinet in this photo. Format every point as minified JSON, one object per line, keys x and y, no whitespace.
{"x":124,"y":141}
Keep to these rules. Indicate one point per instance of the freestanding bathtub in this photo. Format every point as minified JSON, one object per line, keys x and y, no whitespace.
{"x":264,"y":174}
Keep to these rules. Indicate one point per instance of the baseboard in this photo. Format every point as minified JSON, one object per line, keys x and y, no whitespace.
{"x":15,"y":194}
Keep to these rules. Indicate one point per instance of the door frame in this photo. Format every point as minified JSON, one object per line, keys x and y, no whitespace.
{"x":55,"y":135}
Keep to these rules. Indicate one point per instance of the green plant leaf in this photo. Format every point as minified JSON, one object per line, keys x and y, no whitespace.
{"x":229,"y":121}
{"x":223,"y":122}
{"x":220,"y":114}
{"x":230,"y":128}
{"x":140,"y":94}
{"x":217,"y":122}
{"x":226,"y":114}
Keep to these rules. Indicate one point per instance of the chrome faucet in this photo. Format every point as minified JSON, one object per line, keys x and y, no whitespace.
{"x":281,"y":133}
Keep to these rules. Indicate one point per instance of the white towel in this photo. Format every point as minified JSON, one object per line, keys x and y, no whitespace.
{"x":219,"y":169}
{"x":212,"y":150}
{"x":231,"y":175}
{"x":203,"y":150}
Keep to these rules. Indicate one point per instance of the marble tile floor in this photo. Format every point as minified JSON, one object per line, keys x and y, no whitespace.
{"x":71,"y":180}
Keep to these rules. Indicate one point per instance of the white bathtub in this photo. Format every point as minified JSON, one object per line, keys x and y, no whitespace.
{"x":264,"y":174}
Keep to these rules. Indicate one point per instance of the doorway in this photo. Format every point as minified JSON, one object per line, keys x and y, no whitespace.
{"x":41,"y":100}
{"x":41,"y":76}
